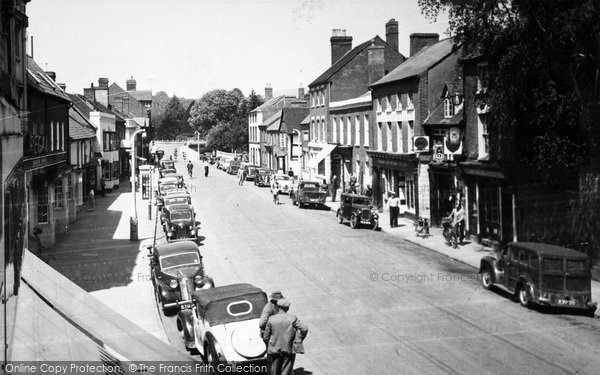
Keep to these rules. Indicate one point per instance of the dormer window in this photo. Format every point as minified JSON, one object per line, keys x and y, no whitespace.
{"x":448,"y":108}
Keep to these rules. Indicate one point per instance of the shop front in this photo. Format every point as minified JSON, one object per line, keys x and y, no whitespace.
{"x":395,"y":173}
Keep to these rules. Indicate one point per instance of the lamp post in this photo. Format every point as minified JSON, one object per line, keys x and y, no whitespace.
{"x":198,"y":143}
{"x":133,"y":220}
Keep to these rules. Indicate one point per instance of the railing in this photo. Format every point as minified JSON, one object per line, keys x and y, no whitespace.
{"x":36,"y":144}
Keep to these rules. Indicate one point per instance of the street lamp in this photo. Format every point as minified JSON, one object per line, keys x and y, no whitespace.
{"x":198,"y":143}
{"x":133,"y":220}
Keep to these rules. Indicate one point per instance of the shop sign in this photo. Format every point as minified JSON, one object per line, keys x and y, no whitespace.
{"x":438,"y":153}
{"x":453,"y":142}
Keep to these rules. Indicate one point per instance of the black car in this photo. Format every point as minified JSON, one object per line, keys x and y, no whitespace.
{"x":309,"y":193}
{"x":358,"y":209}
{"x":177,"y":270}
{"x":262,"y":177}
{"x":179,"y":222}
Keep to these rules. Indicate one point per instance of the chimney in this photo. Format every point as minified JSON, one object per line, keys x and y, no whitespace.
{"x":268,"y":92}
{"x":376,"y":65}
{"x":90,"y":92}
{"x":300,"y":92}
{"x":418,"y":41}
{"x":103,"y":83}
{"x":391,"y":34}
{"x":131,"y":84}
{"x":51,"y":75}
{"x":63,"y":86}
{"x":340,"y":44}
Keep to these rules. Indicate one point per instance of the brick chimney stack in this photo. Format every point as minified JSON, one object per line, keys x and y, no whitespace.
{"x":300,"y":92}
{"x":268,"y":92}
{"x":376,"y":63}
{"x":418,"y":41}
{"x":102,"y":91}
{"x":391,"y":34}
{"x":131,"y":84}
{"x":102,"y":83}
{"x":90,"y":92}
{"x":340,"y":44}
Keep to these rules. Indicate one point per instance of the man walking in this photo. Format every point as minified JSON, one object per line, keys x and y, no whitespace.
{"x":333,"y":186}
{"x":102,"y":186}
{"x":205,"y":168}
{"x":394,"y":205}
{"x":269,"y":309}
{"x":279,"y":335}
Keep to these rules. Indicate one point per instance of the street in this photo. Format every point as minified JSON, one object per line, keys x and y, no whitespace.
{"x":374,"y":303}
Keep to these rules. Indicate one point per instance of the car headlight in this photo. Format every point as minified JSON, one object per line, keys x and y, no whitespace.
{"x":193,"y":232}
{"x":173,"y":284}
{"x":169,"y":234}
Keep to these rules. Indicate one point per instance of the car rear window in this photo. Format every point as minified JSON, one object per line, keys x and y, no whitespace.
{"x":576,"y":266}
{"x":552,"y":265}
{"x":179,"y":260}
{"x":181,"y":215}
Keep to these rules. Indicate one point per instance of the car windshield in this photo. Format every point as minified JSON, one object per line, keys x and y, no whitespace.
{"x":179,"y":260}
{"x":181,"y":215}
{"x":310,"y":186}
{"x":362,"y":201}
{"x":164,"y":188}
{"x":282,"y":177}
{"x":175,"y":200}
{"x":168,"y":164}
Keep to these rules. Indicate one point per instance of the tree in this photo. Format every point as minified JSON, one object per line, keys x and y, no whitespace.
{"x":216,"y":106}
{"x":173,"y":121}
{"x":545,"y":93}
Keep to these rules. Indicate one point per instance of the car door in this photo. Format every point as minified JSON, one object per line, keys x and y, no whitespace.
{"x":346,"y":206}
{"x":511,"y":268}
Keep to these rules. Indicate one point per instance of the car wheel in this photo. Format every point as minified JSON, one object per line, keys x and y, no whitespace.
{"x":353,"y":221}
{"x":374,"y":224}
{"x":211,"y":355}
{"x":523,"y":295}
{"x":486,"y":278}
{"x":340,"y":219}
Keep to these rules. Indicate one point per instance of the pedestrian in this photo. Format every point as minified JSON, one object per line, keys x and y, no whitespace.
{"x":280,"y":336}
{"x":269,"y":309}
{"x":324,"y":185}
{"x":458,"y":221}
{"x":394,"y":205}
{"x":369,"y":191}
{"x":333,"y":185}
{"x":102,"y":186}
{"x":290,"y":172}
{"x":190,"y":168}
{"x":243,"y":176}
{"x":205,"y":168}
{"x":91,"y":199}
{"x":275,"y":193}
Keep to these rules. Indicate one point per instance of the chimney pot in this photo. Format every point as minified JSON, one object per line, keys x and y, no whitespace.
{"x":131,"y":84}
{"x":268,"y":92}
{"x":103,"y":82}
{"x":391,"y":34}
{"x":340,"y":44}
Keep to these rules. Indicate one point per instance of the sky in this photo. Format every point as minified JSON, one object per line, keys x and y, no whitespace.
{"x":189,"y":47}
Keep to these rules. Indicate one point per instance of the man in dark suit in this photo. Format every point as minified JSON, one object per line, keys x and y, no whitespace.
{"x":279,"y":335}
{"x":269,"y":310}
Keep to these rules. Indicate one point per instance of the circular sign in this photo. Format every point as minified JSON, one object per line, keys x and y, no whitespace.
{"x":421,"y":143}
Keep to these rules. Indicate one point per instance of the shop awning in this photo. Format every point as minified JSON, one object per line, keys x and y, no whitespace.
{"x":325,"y":151}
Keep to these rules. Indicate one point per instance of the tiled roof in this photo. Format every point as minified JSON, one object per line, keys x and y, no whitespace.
{"x":40,"y":81}
{"x":437,"y":117}
{"x":306,"y":120}
{"x":141,"y":95}
{"x":82,"y":104}
{"x":269,"y":104}
{"x":273,"y":122}
{"x":292,"y":118}
{"x":420,"y":62}
{"x":79,"y":126}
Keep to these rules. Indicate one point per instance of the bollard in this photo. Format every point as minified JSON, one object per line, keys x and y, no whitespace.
{"x":133,"y":229}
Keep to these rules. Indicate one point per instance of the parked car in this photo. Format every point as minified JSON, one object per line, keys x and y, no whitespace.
{"x":179,"y":222}
{"x":177,"y":270}
{"x":166,"y":164}
{"x":262,"y":177}
{"x":233,"y":167}
{"x":249,"y":167}
{"x":166,"y":171}
{"x":309,"y":193}
{"x":281,"y":182}
{"x":542,"y":274}
{"x":177,"y":196}
{"x":165,"y":185}
{"x":224,"y":164}
{"x":223,"y":324}
{"x":358,"y":209}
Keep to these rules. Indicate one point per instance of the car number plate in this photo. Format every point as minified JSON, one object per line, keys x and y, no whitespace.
{"x":566,"y":302}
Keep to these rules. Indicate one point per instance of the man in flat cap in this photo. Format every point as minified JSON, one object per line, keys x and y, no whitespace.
{"x":269,"y":309}
{"x":279,"y":335}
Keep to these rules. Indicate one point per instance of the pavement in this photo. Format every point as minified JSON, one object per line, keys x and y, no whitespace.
{"x":469,"y":253}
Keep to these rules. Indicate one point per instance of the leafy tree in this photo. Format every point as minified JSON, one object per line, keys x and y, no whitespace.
{"x":254,"y":100}
{"x":544,"y":97}
{"x":173,"y":121}
{"x":214,"y":107}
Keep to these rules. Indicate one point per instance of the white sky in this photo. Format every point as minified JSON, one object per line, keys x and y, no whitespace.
{"x":188,"y":47}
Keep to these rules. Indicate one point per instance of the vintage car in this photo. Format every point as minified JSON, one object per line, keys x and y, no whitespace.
{"x":176,"y":196}
{"x":358,"y":209}
{"x":233,"y":167}
{"x":542,"y":274}
{"x":165,"y":185}
{"x":281,"y":182}
{"x":179,"y":222}
{"x":250,"y":170}
{"x":176,"y":270}
{"x":262,"y":177}
{"x":166,"y":172}
{"x":309,"y":193}
{"x":179,"y":178}
{"x":223,"y":324}
{"x":166,"y":164}
{"x":224,"y":164}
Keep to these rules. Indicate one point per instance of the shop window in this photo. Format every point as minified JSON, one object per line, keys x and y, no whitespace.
{"x":115,"y":170}
{"x":58,"y":194}
{"x":43,"y":206}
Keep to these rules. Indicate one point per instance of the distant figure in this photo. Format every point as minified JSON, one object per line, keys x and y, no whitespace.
{"x":394,"y":205}
{"x":190,"y":168}
{"x":369,"y":191}
{"x":205,"y":168}
{"x":290,"y":172}
{"x":102,"y":186}
{"x":91,"y":199}
{"x":243,"y":176}
{"x":334,"y":185}
{"x":324,"y":185}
